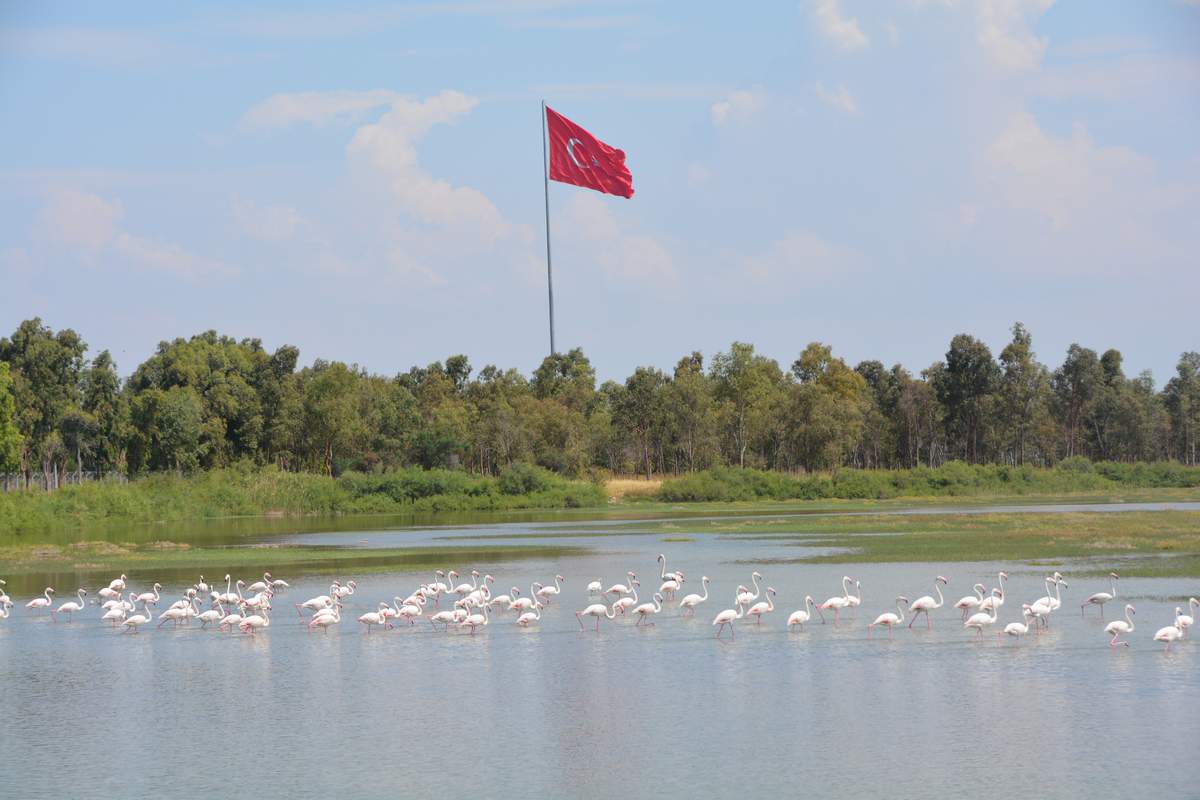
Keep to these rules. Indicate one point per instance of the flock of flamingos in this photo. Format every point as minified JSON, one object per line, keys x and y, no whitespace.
{"x":473,"y":603}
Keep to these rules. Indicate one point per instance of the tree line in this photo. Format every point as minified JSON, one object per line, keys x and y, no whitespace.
{"x":210,"y":401}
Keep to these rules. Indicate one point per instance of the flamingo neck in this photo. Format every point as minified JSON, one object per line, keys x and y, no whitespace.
{"x":937,"y":587}
{"x":705,"y":597}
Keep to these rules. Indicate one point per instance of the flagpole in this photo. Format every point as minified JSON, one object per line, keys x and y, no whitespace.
{"x":546,"y":187}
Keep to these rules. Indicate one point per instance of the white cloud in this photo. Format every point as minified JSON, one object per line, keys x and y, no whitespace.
{"x":590,"y":223}
{"x":266,"y":223}
{"x":843,"y":32}
{"x":1099,"y":207}
{"x":801,"y":253}
{"x":698,"y":174}
{"x":316,"y":108}
{"x":387,"y":149}
{"x":1005,"y":35}
{"x":737,"y":106}
{"x":88,"y":226}
{"x":839,"y":98}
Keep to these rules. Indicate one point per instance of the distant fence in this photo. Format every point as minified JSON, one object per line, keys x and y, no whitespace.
{"x":16,"y":481}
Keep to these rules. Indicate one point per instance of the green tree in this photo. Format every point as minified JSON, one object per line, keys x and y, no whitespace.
{"x":330,"y":410}
{"x":1076,"y":383}
{"x":10,"y":436}
{"x":963,"y":388}
{"x":748,"y":387}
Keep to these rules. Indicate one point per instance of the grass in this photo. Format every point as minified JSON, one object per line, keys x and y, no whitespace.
{"x":1145,"y":544}
{"x":619,"y":489}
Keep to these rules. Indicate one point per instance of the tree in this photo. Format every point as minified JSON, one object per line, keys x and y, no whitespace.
{"x":1183,"y":402}
{"x":1022,"y":396}
{"x":747,"y":385}
{"x":640,"y":412}
{"x":1075,"y":385}
{"x":10,"y":436}
{"x":568,"y":377}
{"x":963,"y":388}
{"x":829,"y":402}
{"x":330,"y":413}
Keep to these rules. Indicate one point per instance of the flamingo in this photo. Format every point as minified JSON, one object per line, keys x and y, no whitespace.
{"x":444,"y":617}
{"x":341,"y":591}
{"x":758,"y":609}
{"x":853,"y":601}
{"x":970,"y":603}
{"x":1018,"y":628}
{"x":464,"y":588}
{"x":70,"y":607}
{"x":103,"y":593}
{"x":677,"y":576}
{"x":118,"y":584}
{"x":981,"y":620}
{"x":202,"y":587}
{"x":172,"y":614}
{"x":620,"y":588}
{"x":1100,"y":598}
{"x":1171,"y":633}
{"x":689,"y":602}
{"x":41,"y":602}
{"x":1044,"y":606}
{"x":5,"y":608}
{"x":502,"y":601}
{"x":410,"y":611}
{"x":228,"y":597}
{"x":744,"y":597}
{"x":1055,"y":602}
{"x":255,"y":622}
{"x":646,"y":609}
{"x":278,"y":585}
{"x":529,"y":617}
{"x":547,"y":593}
{"x":594,"y":587}
{"x":114,"y":615}
{"x":212,"y":615}
{"x":149,"y":598}
{"x":837,"y":603}
{"x":804,"y":615}
{"x":1186,"y":621}
{"x":596,"y":610}
{"x":1117,"y":627}
{"x":474,"y":621}
{"x":4,"y":598}
{"x":135,"y":621}
{"x":522,"y":604}
{"x":727,"y":617}
{"x":997,"y":597}
{"x":260,"y":586}
{"x":377,"y":617}
{"x":325,"y":618}
{"x":230,"y":620}
{"x":623,"y":604}
{"x":888,"y":618}
{"x":923,"y":605}
{"x":318,"y":603}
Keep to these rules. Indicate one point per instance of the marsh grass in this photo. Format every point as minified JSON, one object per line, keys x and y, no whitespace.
{"x":1143,"y":543}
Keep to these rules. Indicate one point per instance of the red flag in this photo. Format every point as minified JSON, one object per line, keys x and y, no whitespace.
{"x":578,"y":158}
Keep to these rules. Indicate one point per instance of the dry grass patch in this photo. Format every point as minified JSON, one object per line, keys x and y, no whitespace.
{"x":620,"y":488}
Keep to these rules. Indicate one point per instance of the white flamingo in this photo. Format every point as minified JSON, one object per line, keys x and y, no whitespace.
{"x":645,"y":610}
{"x":1121,"y":626}
{"x":1100,"y":598}
{"x":135,"y":621}
{"x":70,"y":607}
{"x":211,"y":615}
{"x":1171,"y":633}
{"x":623,"y":604}
{"x":5,"y":608}
{"x":763,"y":607}
{"x":475,"y":621}
{"x":118,"y":584}
{"x":230,"y":620}
{"x":853,"y":601}
{"x":1187,"y":620}
{"x":744,"y":596}
{"x":923,"y":605}
{"x":317,"y":603}
{"x":548,"y":593}
{"x":326,"y":617}
{"x":149,"y":598}
{"x":1018,"y":629}
{"x":837,"y":603}
{"x":4,"y":598}
{"x":982,"y":619}
{"x":255,"y":622}
{"x":997,"y":597}
{"x":689,"y":602}
{"x":41,"y":602}
{"x":377,"y":617}
{"x":804,"y":615}
{"x":411,"y":611}
{"x":173,"y":615}
{"x":728,"y":617}
{"x":888,"y":618}
{"x":971,"y":603}
{"x":530,"y":617}
{"x":501,"y":602}
{"x":596,"y":610}
{"x":594,"y":587}
{"x":620,"y":588}
{"x":114,"y":615}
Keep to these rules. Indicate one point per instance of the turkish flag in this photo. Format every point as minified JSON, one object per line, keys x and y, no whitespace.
{"x":578,"y":158}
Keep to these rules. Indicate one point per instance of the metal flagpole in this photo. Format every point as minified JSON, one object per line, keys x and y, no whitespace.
{"x":546,"y":186}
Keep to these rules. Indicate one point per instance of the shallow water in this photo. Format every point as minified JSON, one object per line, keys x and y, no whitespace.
{"x":557,"y":712}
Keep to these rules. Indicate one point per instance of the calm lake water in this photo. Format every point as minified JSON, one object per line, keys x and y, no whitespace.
{"x":629,"y":712}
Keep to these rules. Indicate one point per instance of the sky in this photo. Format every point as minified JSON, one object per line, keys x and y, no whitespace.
{"x":363,"y":181}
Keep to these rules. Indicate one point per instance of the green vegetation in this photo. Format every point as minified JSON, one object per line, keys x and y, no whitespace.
{"x":249,"y":491}
{"x":211,"y":401}
{"x":953,"y":479}
{"x":1146,"y":544}
{"x":165,"y":559}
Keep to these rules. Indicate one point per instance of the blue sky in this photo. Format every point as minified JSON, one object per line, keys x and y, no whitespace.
{"x":363,"y":181}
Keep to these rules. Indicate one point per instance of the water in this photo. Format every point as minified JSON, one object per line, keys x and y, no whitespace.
{"x":557,"y":712}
